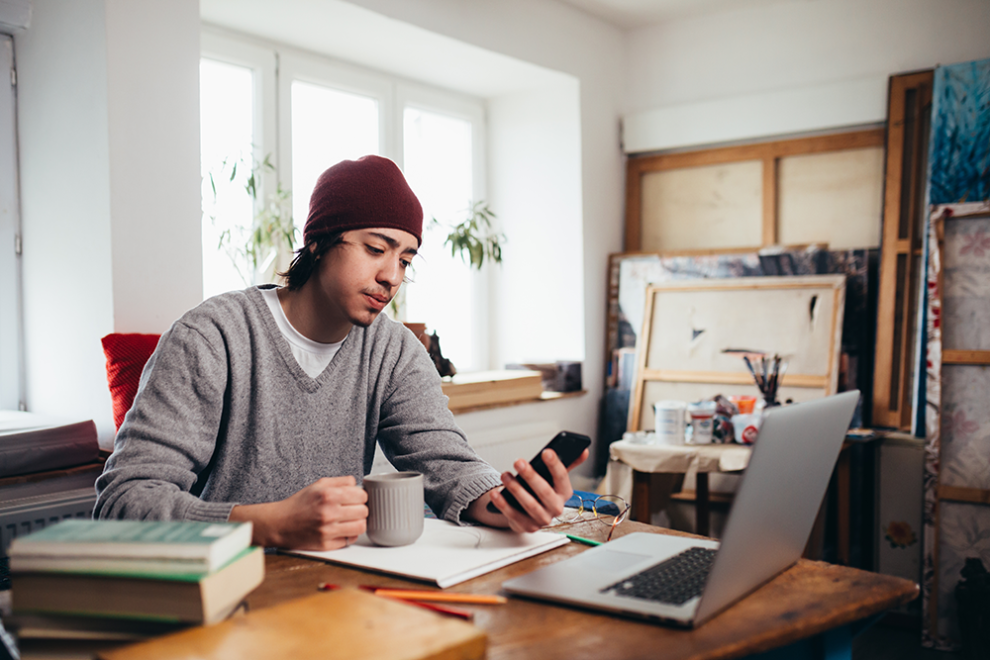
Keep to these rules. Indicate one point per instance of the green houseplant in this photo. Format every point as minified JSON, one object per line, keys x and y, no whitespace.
{"x":475,"y":238}
{"x":255,"y":252}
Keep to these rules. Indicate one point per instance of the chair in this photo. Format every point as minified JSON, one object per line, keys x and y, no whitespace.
{"x":126,"y":355}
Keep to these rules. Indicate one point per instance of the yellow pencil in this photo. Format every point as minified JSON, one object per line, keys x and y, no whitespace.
{"x":441,"y":597}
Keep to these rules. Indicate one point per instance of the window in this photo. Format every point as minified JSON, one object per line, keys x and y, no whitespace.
{"x":328,"y":112}
{"x":328,"y":126}
{"x":11,"y":355}
{"x":439,"y":151}
{"x":227,"y":134}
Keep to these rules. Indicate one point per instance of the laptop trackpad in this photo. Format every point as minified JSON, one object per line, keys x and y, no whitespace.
{"x":611,"y":560}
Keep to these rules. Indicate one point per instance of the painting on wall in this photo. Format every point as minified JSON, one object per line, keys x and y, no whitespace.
{"x":959,"y":151}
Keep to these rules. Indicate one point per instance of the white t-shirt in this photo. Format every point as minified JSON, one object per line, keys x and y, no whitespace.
{"x":312,"y":356}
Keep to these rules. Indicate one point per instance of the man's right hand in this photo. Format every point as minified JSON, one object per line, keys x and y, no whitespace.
{"x":326,"y":515}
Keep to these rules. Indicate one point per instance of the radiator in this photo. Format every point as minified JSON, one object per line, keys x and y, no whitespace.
{"x":499,"y":446}
{"x":502,"y":445}
{"x":27,"y":514}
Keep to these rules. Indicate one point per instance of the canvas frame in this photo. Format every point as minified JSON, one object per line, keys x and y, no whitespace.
{"x":938,"y":629}
{"x":731,"y":294}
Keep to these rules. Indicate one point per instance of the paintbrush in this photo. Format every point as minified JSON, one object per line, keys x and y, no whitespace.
{"x":749,"y":365}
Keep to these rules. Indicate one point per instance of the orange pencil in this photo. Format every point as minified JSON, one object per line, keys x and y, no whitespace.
{"x":453,"y":611}
{"x":442,"y":597}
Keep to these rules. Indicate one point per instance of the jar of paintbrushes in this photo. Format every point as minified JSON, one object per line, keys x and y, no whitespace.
{"x":767,"y":371}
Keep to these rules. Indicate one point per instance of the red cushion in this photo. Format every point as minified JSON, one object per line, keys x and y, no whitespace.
{"x":126,"y":355}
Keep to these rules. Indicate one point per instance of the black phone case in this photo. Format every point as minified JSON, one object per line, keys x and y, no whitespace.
{"x":567,"y":445}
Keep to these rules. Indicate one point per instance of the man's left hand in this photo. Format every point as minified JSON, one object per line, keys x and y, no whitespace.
{"x":538,"y":511}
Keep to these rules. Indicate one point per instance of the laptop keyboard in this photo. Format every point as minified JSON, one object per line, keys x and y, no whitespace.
{"x":674,"y":581}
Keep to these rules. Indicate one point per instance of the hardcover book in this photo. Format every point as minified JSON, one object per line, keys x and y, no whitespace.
{"x":204,"y":599}
{"x":129,"y":547}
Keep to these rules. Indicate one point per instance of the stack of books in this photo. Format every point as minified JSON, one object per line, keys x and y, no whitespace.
{"x":125,"y":580}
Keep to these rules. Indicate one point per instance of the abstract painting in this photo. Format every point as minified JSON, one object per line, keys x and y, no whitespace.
{"x":959,"y":150}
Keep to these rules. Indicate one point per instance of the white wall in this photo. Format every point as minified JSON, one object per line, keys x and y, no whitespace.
{"x":788,"y":67}
{"x":65,"y":192}
{"x":108,"y":104}
{"x":153,"y":109}
{"x":534,"y":157}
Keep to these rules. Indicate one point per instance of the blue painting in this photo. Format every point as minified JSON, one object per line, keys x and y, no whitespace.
{"x":959,"y":152}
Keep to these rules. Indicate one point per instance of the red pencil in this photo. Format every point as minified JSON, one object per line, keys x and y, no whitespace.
{"x":442,"y":609}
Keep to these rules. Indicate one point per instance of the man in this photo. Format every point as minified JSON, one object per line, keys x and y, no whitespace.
{"x":265,"y":405}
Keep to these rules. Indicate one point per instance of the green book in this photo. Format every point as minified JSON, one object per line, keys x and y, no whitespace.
{"x":206,"y":599}
{"x":130,"y":547}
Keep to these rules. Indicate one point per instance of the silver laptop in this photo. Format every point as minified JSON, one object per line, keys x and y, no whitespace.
{"x":774,"y":510}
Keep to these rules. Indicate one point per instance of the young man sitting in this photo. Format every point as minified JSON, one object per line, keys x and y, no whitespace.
{"x":266,"y":404}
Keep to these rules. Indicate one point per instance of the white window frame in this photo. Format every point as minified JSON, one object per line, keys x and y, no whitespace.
{"x":312,"y":69}
{"x":12,"y":368}
{"x":263,"y":62}
{"x":454,"y":105}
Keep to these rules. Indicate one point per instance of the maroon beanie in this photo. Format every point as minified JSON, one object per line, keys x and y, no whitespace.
{"x":362,"y":193}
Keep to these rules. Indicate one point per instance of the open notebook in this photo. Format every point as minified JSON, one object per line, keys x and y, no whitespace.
{"x":446,"y":554}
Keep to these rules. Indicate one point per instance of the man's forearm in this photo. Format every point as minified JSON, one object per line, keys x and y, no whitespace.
{"x":263,"y":519}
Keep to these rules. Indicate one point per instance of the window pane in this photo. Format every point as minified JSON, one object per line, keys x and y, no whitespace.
{"x":438,"y":166}
{"x":226,"y":129}
{"x":328,"y":126}
{"x":11,"y":353}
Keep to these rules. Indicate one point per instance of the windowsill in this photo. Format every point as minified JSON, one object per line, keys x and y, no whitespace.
{"x":483,"y":390}
{"x":546,"y":396}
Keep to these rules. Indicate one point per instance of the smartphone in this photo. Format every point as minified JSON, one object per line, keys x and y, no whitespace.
{"x":568,"y":446}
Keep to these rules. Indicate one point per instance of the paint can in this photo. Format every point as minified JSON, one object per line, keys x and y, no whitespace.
{"x":670,"y":422}
{"x":702,"y":416}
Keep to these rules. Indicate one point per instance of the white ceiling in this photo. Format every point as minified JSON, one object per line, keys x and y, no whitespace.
{"x":339,"y":29}
{"x":630,"y":14}
{"x":350,"y":32}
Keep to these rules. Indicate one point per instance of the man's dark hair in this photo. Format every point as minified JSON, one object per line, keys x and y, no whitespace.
{"x":308,"y":258}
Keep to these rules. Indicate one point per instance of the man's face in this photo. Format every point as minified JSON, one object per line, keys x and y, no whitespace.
{"x":361,"y":275}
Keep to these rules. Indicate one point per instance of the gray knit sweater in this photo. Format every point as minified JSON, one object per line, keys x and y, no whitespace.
{"x":225,"y":415}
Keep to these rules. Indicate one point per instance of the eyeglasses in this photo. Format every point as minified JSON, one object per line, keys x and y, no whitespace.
{"x":606,"y":509}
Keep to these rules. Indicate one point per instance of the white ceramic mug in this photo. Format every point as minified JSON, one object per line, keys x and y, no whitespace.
{"x":395,"y":507}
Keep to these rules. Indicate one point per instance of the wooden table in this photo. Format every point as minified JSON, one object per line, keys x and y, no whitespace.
{"x":650,"y":491}
{"x":811,"y":599}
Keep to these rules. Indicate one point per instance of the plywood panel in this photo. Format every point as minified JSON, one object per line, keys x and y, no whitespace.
{"x":834,"y":198}
{"x":710,"y":207}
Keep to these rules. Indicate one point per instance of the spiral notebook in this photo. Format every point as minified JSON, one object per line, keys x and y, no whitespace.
{"x":446,"y":554}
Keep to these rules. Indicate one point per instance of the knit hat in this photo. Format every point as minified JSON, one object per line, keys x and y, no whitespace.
{"x":362,"y":193}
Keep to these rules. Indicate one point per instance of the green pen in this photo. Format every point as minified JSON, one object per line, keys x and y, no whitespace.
{"x":581,"y":539}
